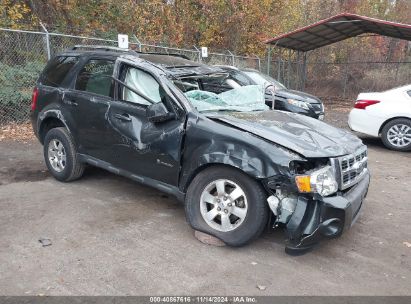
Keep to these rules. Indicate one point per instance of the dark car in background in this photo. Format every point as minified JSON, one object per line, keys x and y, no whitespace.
{"x":285,"y":99}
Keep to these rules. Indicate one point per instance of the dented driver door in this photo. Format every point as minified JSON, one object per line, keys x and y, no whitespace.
{"x":138,"y":145}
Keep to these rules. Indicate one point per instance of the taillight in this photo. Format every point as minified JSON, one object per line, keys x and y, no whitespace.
{"x":34,"y":98}
{"x":362,"y":104}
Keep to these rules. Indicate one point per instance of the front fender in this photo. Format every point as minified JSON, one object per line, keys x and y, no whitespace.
{"x":208,"y":142}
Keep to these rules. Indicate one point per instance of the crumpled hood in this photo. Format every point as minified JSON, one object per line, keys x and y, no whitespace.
{"x":297,"y":95}
{"x":307,"y":136}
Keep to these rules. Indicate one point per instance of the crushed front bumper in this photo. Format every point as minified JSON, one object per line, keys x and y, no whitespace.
{"x":324,"y":217}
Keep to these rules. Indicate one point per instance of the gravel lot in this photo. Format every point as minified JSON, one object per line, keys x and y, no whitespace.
{"x":111,"y":236}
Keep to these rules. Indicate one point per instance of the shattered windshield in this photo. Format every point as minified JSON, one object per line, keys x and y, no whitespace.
{"x":242,"y":99}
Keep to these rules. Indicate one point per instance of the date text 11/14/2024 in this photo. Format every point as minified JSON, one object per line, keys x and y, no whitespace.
{"x":202,"y":299}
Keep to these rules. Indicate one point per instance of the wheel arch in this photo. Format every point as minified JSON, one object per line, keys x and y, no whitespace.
{"x":257,"y":216}
{"x":47,"y":124}
{"x":391,"y":119}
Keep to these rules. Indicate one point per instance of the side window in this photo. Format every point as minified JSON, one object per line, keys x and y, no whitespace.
{"x":241,"y":78}
{"x":142,"y":82}
{"x":215,"y":85}
{"x":95,"y":77}
{"x":57,"y":69}
{"x":409,"y":93}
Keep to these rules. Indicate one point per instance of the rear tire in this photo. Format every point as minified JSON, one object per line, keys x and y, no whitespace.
{"x":237,"y":217}
{"x":60,"y":155}
{"x":396,"y":134}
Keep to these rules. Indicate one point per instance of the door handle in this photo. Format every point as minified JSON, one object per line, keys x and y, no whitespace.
{"x":123,"y":117}
{"x":70,"y":102}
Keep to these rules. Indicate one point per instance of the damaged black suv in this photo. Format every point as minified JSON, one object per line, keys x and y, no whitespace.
{"x":237,"y":165}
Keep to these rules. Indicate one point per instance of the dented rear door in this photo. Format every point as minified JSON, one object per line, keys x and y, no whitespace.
{"x":87,"y":103}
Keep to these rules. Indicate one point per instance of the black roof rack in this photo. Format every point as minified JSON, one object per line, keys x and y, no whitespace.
{"x":101,"y":48}
{"x":117,"y":49}
{"x":166,"y":54}
{"x":108,"y":48}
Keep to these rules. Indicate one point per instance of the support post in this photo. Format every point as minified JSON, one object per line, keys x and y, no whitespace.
{"x":259,"y":62}
{"x":138,"y":43}
{"x":47,"y":41}
{"x":304,"y":74}
{"x":283,"y":62}
{"x":279,"y":68}
{"x":297,"y":72}
{"x":345,"y":79}
{"x":198,"y":52}
{"x":268,"y":59}
{"x":232,"y":57}
{"x":288,"y":68}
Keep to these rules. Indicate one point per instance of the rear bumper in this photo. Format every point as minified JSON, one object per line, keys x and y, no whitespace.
{"x":324,"y":217}
{"x":33,"y":120}
{"x":361,"y":121}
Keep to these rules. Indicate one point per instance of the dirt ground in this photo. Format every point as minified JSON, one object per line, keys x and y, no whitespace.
{"x":111,"y":236}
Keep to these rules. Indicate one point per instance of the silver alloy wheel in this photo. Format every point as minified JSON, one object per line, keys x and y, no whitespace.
{"x":399,"y":135}
{"x":223,"y":205}
{"x":57,"y":155}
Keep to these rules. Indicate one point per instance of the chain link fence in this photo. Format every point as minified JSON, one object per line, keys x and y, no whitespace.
{"x":233,"y":60}
{"x":340,"y":81}
{"x":349,"y":79}
{"x":23,"y":55}
{"x":59,"y":42}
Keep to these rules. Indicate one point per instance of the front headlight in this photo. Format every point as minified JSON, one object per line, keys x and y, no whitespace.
{"x":321,"y":181}
{"x":298,"y":103}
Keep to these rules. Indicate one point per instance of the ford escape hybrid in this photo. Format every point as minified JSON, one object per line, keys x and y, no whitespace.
{"x":235,"y":164}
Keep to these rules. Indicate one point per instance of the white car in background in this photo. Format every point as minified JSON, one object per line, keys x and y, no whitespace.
{"x":386,"y":114}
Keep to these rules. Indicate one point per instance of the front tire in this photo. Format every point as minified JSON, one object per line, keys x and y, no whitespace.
{"x":228,"y":204}
{"x":60,"y":155}
{"x":396,"y":134}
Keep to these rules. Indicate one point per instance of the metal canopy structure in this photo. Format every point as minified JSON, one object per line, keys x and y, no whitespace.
{"x":337,"y":28}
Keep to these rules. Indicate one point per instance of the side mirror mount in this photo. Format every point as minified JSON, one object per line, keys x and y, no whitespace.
{"x":157,"y":112}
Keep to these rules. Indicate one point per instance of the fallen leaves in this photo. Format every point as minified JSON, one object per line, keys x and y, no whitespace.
{"x":17,"y":132}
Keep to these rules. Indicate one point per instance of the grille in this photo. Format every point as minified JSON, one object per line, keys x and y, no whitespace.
{"x":353,"y":167}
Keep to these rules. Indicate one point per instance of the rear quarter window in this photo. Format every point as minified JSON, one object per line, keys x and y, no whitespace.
{"x":409,"y":93}
{"x":95,"y":77}
{"x":57,"y":70}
